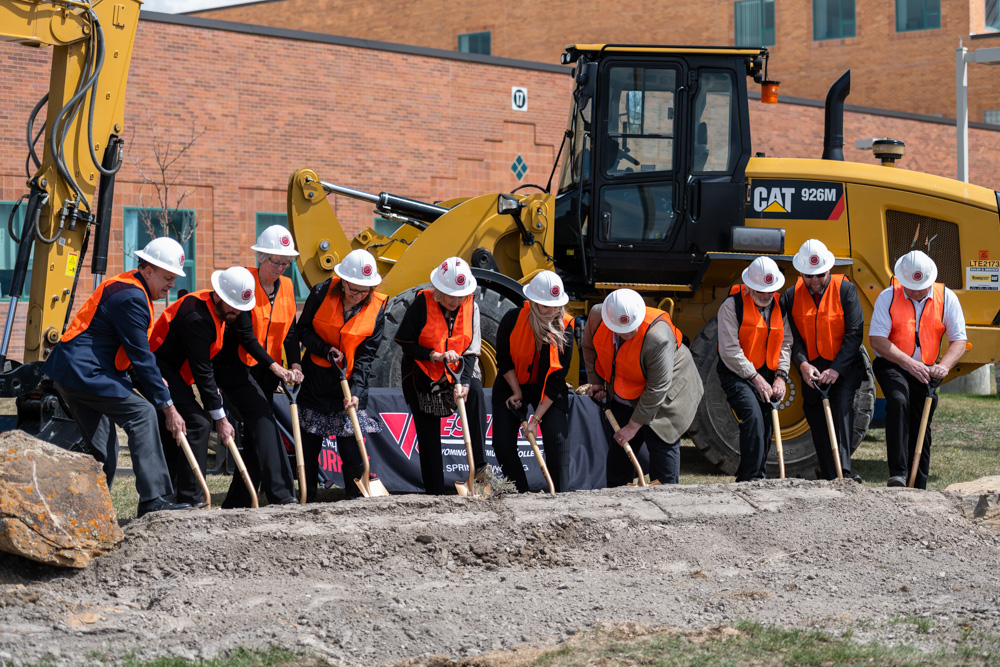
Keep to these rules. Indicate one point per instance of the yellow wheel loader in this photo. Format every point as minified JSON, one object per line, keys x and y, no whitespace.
{"x":660,"y":192}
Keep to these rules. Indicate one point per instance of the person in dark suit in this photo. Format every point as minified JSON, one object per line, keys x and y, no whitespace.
{"x":89,"y":365}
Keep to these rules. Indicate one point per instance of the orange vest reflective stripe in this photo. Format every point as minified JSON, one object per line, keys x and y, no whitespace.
{"x":904,"y":331}
{"x":821,"y":328}
{"x":625,"y":365}
{"x":760,"y":342}
{"x":271,"y":322}
{"x":435,"y":336}
{"x":328,"y":323}
{"x":522,"y":347}
{"x":162,"y":328}
{"x":89,"y":308}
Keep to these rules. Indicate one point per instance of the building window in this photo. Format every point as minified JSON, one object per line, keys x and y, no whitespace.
{"x":992,"y":15}
{"x":142,"y":225}
{"x":475,"y":42}
{"x":833,"y":19}
{"x":992,"y":116}
{"x":265,"y":220}
{"x":917,"y":15}
{"x":754,"y":22}
{"x":8,"y":251}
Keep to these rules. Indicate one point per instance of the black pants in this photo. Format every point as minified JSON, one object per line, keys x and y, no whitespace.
{"x":429,"y":438}
{"x":263,"y":451}
{"x":664,"y":457}
{"x":904,"y":405}
{"x":198,"y":424}
{"x":842,"y":394}
{"x":555,"y":427}
{"x":352,"y":469}
{"x":755,"y":422}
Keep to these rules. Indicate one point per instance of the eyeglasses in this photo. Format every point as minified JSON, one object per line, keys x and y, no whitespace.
{"x":351,"y":288}
{"x":281,"y":265}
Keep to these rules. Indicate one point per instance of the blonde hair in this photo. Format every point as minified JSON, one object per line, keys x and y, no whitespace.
{"x":547,"y":331}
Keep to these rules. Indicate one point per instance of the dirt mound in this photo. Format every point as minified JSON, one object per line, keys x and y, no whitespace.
{"x":385,"y":579}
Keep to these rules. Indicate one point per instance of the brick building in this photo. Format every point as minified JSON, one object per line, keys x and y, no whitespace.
{"x":418,"y":122}
{"x":901,"y":52}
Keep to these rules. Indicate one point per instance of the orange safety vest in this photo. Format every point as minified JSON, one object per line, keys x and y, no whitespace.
{"x":821,"y":328}
{"x":89,"y":308}
{"x":328,"y":323}
{"x":758,"y":345}
{"x":271,"y":322}
{"x":625,"y":364}
{"x":522,"y":347}
{"x":905,"y":332}
{"x":435,"y":336}
{"x":162,"y":328}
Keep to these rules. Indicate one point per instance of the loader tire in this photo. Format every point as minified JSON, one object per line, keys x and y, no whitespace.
{"x":386,"y":368}
{"x":715,"y":431}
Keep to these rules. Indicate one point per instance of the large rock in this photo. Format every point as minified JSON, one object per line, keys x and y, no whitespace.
{"x":980,"y":500}
{"x":54,"y":504}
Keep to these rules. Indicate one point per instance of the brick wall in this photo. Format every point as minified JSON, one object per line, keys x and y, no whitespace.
{"x":420,"y":126}
{"x":910,"y":71}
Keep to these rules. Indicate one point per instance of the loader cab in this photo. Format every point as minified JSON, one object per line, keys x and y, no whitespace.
{"x":659,"y":141}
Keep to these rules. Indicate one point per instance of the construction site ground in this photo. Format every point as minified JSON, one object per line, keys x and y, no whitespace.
{"x":382,"y":580}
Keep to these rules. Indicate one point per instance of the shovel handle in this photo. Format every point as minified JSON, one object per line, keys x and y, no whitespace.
{"x":641,"y":476}
{"x":921,"y":432}
{"x":776,"y":427}
{"x":833,"y":435}
{"x":353,"y":414}
{"x":468,"y":444}
{"x":300,"y":461}
{"x":529,"y":433}
{"x":195,"y":468}
{"x":235,"y":453}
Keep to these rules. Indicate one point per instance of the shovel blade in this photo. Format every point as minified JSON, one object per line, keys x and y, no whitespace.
{"x":375,"y":487}
{"x":463,"y":489}
{"x":362,"y":489}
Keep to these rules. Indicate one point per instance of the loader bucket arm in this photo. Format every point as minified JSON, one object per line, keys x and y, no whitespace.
{"x":320,"y":239}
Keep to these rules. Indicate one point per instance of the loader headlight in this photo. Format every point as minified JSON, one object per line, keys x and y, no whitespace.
{"x":508,"y":204}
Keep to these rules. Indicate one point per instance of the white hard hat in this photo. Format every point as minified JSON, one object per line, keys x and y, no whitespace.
{"x":359,"y":268}
{"x":763,"y":275}
{"x":276,"y":240}
{"x":623,"y":311}
{"x":165,"y":253}
{"x":236,"y":287}
{"x":915,"y":270}
{"x":454,"y":277}
{"x":546,"y":289}
{"x":813,"y":258}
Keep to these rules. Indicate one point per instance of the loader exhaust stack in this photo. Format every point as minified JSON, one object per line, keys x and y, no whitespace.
{"x":833,"y":135}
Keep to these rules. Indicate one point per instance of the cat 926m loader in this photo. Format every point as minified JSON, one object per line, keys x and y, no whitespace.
{"x":660,"y":192}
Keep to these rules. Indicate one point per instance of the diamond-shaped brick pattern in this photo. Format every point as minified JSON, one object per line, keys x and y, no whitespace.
{"x":519,"y":167}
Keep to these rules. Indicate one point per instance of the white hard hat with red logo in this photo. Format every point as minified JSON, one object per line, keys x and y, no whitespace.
{"x":235,"y":286}
{"x":546,"y":289}
{"x":813,"y":258}
{"x":359,"y":268}
{"x":276,"y":240}
{"x":915,"y":270}
{"x":623,"y":311}
{"x":763,"y":275}
{"x":165,"y":253}
{"x":454,"y":277}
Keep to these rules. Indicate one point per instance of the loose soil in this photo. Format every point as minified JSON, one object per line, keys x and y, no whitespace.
{"x":404,"y":577}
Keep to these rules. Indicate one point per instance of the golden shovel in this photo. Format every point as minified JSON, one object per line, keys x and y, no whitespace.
{"x":529,"y":433}
{"x":640,"y":475}
{"x":922,"y":430}
{"x":242,"y":468}
{"x":195,"y":468}
{"x":824,"y":391}
{"x":367,"y":486}
{"x":468,"y":487}
{"x":776,"y":427}
{"x":292,"y":390}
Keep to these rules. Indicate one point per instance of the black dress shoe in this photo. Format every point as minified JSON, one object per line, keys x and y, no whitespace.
{"x":897,"y":481}
{"x":158,"y":505}
{"x":852,"y":475}
{"x":290,"y":500}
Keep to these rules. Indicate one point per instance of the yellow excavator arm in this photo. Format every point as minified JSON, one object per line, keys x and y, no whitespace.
{"x":71,"y":189}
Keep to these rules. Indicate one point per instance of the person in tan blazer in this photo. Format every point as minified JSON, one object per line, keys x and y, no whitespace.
{"x":637,"y":364}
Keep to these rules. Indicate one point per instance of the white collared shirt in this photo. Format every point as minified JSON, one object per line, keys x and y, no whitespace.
{"x":954,"y":319}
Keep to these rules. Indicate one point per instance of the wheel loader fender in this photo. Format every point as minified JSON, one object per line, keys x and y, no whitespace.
{"x":498,"y":282}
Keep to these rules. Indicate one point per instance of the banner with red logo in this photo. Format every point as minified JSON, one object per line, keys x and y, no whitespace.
{"x":395,"y":457}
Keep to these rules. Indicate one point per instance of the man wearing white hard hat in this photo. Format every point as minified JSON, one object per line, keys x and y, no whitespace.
{"x":637,"y":363}
{"x":909,"y":322}
{"x":827,"y":324}
{"x":755,"y":350}
{"x":185,"y":339}
{"x":249,"y":368}
{"x":534,"y":350}
{"x":440,"y":329}
{"x":341,"y":324}
{"x":108,"y":335}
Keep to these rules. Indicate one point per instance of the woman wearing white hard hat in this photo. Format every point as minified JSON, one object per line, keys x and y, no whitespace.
{"x":185,"y":339}
{"x":827,"y":324}
{"x":441,"y":327}
{"x":341,"y":323}
{"x":250,"y":368}
{"x":534,"y":351}
{"x":638,"y":366}
{"x":910,"y":320}
{"x":755,"y":350}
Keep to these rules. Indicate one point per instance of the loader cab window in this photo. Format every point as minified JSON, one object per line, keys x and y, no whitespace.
{"x":639,"y":134}
{"x":716,"y":137}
